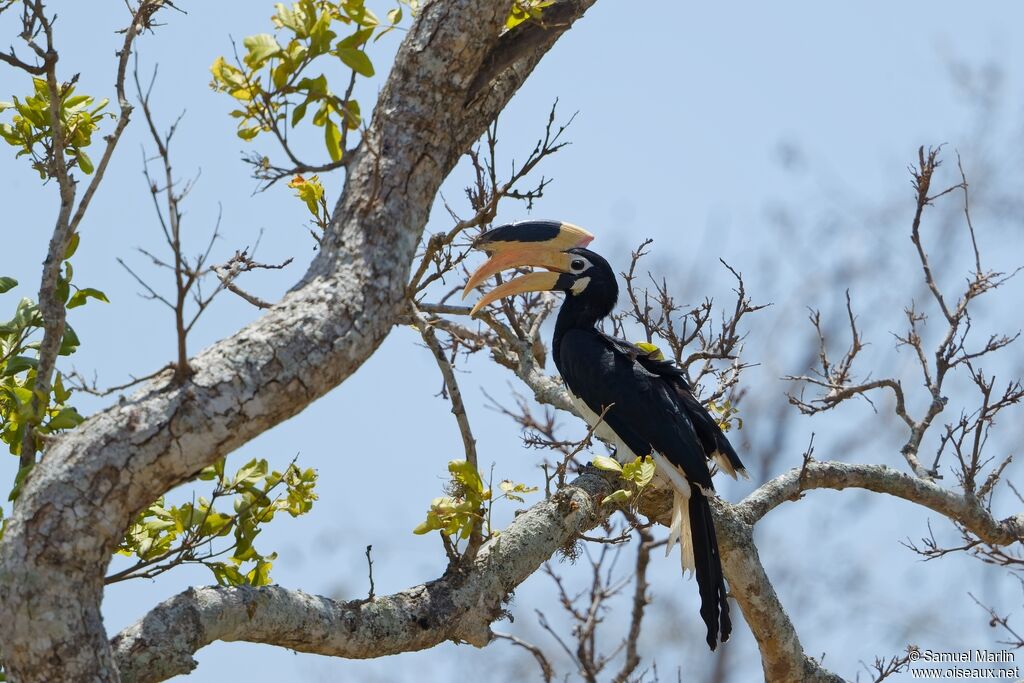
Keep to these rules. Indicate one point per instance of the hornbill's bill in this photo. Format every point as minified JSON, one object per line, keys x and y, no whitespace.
{"x":652,"y":409}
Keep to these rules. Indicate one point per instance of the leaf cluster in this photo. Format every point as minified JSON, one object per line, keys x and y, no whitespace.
{"x":30,"y":130}
{"x":637,"y":475}
{"x":163,"y":536}
{"x":311,"y":192}
{"x":467,"y":504}
{"x":726,"y":414}
{"x":19,"y":357}
{"x":273,"y":83}
{"x":525,"y":10}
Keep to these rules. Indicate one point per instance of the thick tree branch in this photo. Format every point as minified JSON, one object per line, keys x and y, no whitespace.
{"x":969,"y":512}
{"x":459,"y":606}
{"x":527,"y":40}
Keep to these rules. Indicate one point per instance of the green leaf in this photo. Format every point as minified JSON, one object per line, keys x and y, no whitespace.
{"x":260,"y":574}
{"x":640,"y":471}
{"x":60,"y":393}
{"x":292,"y":19}
{"x":248,"y":133}
{"x":84,"y":162}
{"x":81,"y":296}
{"x":465,"y":474}
{"x":226,"y":574}
{"x":72,"y":246}
{"x":310,"y":191}
{"x":314,"y":86}
{"x":214,"y":471}
{"x":7,"y":284}
{"x":356,"y":60}
{"x":225,"y":76}
{"x":17,"y":364}
{"x":424,"y":527}
{"x":320,"y":36}
{"x":19,"y":480}
{"x":69,"y":343}
{"x":216,"y":524}
{"x":515,"y":487}
{"x":261,"y":47}
{"x":281,"y":73}
{"x":332,"y":138}
{"x":67,"y":418}
{"x":299,"y":112}
{"x":617,"y":498}
{"x":63,"y":288}
{"x":602,"y":462}
{"x":352,"y":115}
{"x":357,"y":39}
{"x":27,"y":314}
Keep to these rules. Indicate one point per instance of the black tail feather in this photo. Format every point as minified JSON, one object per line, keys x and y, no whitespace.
{"x":714,"y":607}
{"x":723,"y":445}
{"x":708,"y":431}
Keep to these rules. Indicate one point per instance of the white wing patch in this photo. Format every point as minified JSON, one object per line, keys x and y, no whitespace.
{"x":667,"y":475}
{"x":603,"y":431}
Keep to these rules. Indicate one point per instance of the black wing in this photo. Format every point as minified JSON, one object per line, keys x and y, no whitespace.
{"x":647,"y":414}
{"x":711,"y":437}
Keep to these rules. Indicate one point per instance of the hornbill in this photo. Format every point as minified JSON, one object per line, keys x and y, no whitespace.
{"x":647,"y":402}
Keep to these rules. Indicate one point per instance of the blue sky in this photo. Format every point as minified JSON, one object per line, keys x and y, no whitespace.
{"x":700,"y":125}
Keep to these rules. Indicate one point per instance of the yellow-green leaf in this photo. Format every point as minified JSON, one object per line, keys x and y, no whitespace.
{"x":464,"y":473}
{"x":84,"y":162}
{"x":332,"y":138}
{"x":602,"y":462}
{"x":261,"y":47}
{"x":618,"y":497}
{"x":356,"y":60}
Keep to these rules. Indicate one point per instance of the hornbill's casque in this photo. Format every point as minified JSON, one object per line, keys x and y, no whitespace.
{"x":650,"y":407}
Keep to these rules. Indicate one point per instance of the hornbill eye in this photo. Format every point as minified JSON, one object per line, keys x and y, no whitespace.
{"x":577,"y":265}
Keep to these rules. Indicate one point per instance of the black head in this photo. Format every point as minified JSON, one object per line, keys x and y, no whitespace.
{"x":590,"y":287}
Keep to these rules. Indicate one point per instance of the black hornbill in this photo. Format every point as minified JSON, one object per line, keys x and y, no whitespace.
{"x":652,"y":408}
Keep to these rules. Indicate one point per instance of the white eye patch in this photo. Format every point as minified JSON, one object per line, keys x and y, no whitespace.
{"x":579,"y":264}
{"x":578,"y":286}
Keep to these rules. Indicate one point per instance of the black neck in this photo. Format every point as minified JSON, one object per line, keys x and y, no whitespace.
{"x":578,"y":313}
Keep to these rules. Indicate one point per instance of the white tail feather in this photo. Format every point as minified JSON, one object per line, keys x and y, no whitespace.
{"x":671,"y":474}
{"x":679,"y":532}
{"x":723,"y":463}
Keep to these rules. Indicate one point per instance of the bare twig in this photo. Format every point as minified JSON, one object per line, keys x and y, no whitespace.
{"x":241,"y":263}
{"x":51,"y":305}
{"x":835,"y":379}
{"x":547,"y":672}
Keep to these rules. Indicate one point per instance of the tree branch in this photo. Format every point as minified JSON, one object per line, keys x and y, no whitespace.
{"x":881,"y":479}
{"x":459,"y":606}
{"x":527,"y":40}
